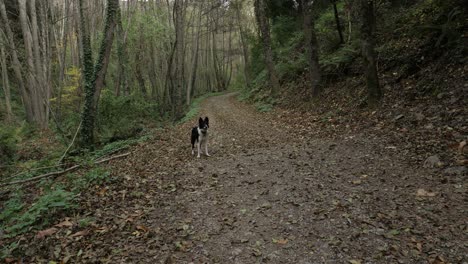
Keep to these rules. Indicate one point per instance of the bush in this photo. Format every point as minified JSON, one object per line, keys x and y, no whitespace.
{"x":123,"y":117}
{"x":8,"y":141}
{"x":15,"y":222}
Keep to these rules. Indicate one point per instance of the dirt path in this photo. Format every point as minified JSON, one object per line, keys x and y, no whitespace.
{"x":268,"y":195}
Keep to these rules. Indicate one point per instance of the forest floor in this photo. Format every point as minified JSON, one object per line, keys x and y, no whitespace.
{"x":276,"y":189}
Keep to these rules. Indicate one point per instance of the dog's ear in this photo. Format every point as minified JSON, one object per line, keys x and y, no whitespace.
{"x":200,"y":121}
{"x":207,"y":121}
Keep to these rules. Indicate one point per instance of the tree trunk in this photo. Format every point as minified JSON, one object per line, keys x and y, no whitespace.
{"x":88,"y":114}
{"x":25,"y":92}
{"x":103,"y":60}
{"x":245,"y":47}
{"x":177,"y":109}
{"x":367,"y":44}
{"x":193,"y":72}
{"x":263,"y":23}
{"x":5,"y":82}
{"x":94,"y":75}
{"x":337,"y":20}
{"x":311,"y":47}
{"x":33,"y":74}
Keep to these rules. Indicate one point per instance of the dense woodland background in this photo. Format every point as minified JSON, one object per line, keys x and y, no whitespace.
{"x":82,"y":79}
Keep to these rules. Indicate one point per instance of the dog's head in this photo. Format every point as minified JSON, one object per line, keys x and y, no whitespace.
{"x":203,"y":124}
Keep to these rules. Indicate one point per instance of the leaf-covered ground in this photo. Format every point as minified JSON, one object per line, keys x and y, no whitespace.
{"x":280,"y":187}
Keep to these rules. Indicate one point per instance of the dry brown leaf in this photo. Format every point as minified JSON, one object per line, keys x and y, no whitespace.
{"x":80,"y":233}
{"x":102,"y":192}
{"x":424,"y":193}
{"x":357,"y":182}
{"x":461,"y":146}
{"x":46,"y":232}
{"x":419,"y":247}
{"x":437,"y":260}
{"x":142,"y":228}
{"x":280,"y":241}
{"x":65,"y":223}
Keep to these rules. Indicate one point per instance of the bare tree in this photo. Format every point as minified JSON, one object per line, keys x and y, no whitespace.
{"x":94,"y":75}
{"x":5,"y":80}
{"x":264,"y":26}
{"x":367,"y":26}
{"x":311,"y":45}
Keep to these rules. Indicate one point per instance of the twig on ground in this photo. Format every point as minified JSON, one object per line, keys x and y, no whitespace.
{"x":57,"y":173}
{"x":71,"y":144}
{"x":28,"y":170}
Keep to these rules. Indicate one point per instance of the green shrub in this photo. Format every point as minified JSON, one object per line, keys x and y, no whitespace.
{"x":94,"y":176}
{"x":16,"y":219}
{"x":122,"y":117}
{"x":8,"y":140}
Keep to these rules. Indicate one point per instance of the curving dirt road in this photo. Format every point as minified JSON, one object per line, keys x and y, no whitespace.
{"x":269,"y":194}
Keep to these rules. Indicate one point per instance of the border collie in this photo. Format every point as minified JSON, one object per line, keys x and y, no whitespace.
{"x":200,"y":136}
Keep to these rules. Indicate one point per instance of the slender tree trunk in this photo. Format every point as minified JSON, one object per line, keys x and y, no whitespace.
{"x":368,"y":52}
{"x":88,"y":114}
{"x":193,"y":72}
{"x":263,"y":23}
{"x":25,"y":91}
{"x":33,"y":74}
{"x":63,"y":60}
{"x":311,"y":47}
{"x":100,"y":68}
{"x":337,"y":21}
{"x":179,"y":65}
{"x":94,"y":75}
{"x":245,"y":47}
{"x":5,"y":81}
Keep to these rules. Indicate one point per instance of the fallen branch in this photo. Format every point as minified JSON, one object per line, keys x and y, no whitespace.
{"x":26,"y":171}
{"x":71,"y":144}
{"x":111,"y":158}
{"x":57,"y":173}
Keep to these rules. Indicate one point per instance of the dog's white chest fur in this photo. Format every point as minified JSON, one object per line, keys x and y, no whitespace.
{"x":202,"y":137}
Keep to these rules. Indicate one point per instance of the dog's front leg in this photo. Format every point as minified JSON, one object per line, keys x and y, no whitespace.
{"x":198,"y":147}
{"x":206,"y":148}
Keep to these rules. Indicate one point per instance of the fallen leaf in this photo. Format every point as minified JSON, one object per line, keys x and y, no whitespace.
{"x":354,"y":261}
{"x":424,"y":193}
{"x":357,"y":182}
{"x":419,"y":247}
{"x":46,"y":232}
{"x":102,"y":192}
{"x":65,"y":223}
{"x":142,"y":228}
{"x":80,"y":233}
{"x":280,"y":241}
{"x":461,"y":146}
{"x":9,"y":260}
{"x":437,"y":260}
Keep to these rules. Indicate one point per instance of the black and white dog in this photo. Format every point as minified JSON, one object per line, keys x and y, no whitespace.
{"x":200,"y":136}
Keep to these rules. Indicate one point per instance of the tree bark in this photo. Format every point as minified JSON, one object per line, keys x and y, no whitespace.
{"x":177,"y":108}
{"x":193,"y":72}
{"x":368,"y":52}
{"x":311,"y":47}
{"x":337,"y":21}
{"x":263,"y":23}
{"x":245,"y":47}
{"x":5,"y":81}
{"x":94,"y":75}
{"x":33,"y":77}
{"x":103,"y":60}
{"x":17,"y":68}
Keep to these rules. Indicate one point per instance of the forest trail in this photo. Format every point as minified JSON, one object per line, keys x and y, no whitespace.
{"x":266,"y":195}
